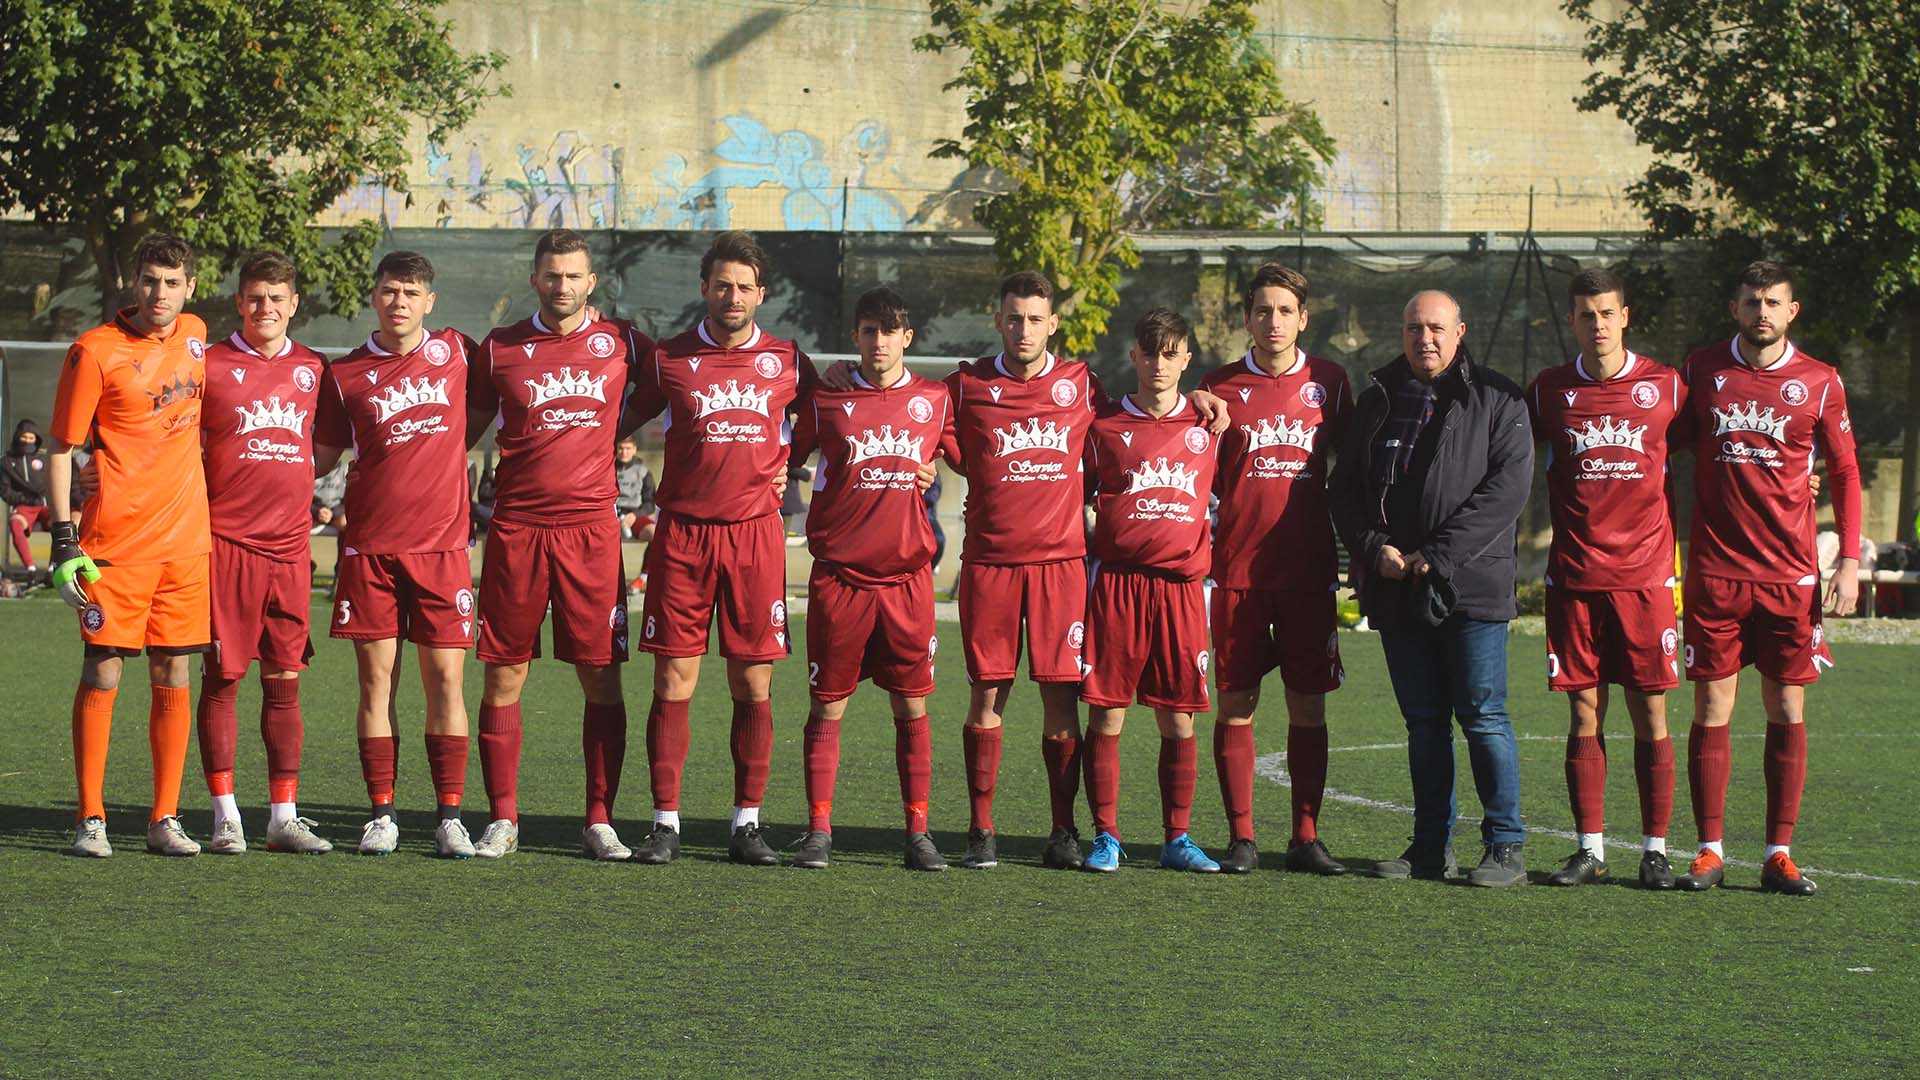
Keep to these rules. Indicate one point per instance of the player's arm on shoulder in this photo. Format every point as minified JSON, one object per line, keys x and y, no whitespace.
{"x":1211,"y":409}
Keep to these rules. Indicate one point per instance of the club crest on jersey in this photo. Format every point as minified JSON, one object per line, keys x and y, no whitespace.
{"x":1793,"y":392}
{"x":1196,"y":439}
{"x":1031,"y":435}
{"x":93,"y":618}
{"x":767,"y":364}
{"x":1162,"y":474}
{"x":1279,"y":431}
{"x":463,"y":602}
{"x":1606,"y":433}
{"x":272,"y":413}
{"x":779,"y":613}
{"x":196,"y":348}
{"x":884,"y":443}
{"x":303,"y":378}
{"x":601,"y":345}
{"x":748,"y":398}
{"x":566,"y":383}
{"x":1064,"y":392}
{"x":1750,"y":418}
{"x":617,"y":618}
{"x":437,"y":352}
{"x":1077,"y":635}
{"x":920,"y":409}
{"x":1646,"y":394}
{"x":1200,"y":660}
{"x":1313,"y":395}
{"x":1669,"y":641}
{"x":409,"y":393}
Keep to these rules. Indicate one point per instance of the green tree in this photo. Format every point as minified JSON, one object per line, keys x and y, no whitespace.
{"x":1098,"y":120}
{"x":1790,"y":123}
{"x":232,"y":123}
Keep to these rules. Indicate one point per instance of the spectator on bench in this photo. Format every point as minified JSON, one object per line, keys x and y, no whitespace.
{"x":23,"y":487}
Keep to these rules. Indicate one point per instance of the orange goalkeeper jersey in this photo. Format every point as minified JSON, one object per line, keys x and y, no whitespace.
{"x":137,"y":398}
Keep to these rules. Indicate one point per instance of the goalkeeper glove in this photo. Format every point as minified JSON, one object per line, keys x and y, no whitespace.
{"x":71,"y":566}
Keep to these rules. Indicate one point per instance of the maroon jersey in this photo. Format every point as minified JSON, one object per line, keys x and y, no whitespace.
{"x":405,"y":416}
{"x":1021,"y":445}
{"x":1275,"y":530}
{"x":1758,"y":432}
{"x":557,"y":399}
{"x":256,"y":431}
{"x":727,"y":421}
{"x":1153,"y":477}
{"x":867,"y":516}
{"x":1607,"y":472}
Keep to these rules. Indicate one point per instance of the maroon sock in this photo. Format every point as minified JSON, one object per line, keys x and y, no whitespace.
{"x":752,"y":742}
{"x":820,"y":755}
{"x":1653,"y":773}
{"x":219,"y":724}
{"x":1307,"y":767}
{"x":1587,"y":782}
{"x":1101,"y":755}
{"x":603,"y":745}
{"x":1062,"y":756}
{"x":284,"y":733}
{"x":1233,"y":762}
{"x":1709,"y":765}
{"x":913,"y":754}
{"x":1786,"y":771}
{"x":379,"y":762}
{"x":667,"y":738}
{"x":447,"y":763}
{"x":982,"y":750}
{"x":1179,"y":765}
{"x":19,"y":530}
{"x":500,"y":760}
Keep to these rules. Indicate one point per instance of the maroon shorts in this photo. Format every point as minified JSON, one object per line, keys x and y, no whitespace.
{"x":260,"y":611}
{"x":576,"y":569}
{"x":884,"y":633}
{"x":738,"y":567}
{"x":1295,"y":630}
{"x":1148,"y":638}
{"x":1049,"y":598}
{"x":1623,"y":636}
{"x":32,"y":517}
{"x":425,"y":597}
{"x":1775,"y":627}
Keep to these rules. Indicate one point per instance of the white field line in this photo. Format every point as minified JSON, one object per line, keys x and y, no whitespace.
{"x":1273,"y":767}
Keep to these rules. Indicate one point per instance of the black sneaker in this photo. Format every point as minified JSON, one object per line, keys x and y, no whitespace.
{"x":1063,"y":851}
{"x":1655,"y":871}
{"x":1420,"y":865}
{"x":1781,"y":876}
{"x":922,"y":855}
{"x":816,"y":849}
{"x":1581,"y":869}
{"x":1501,"y":866}
{"x":980,"y":853}
{"x":749,"y":847}
{"x":1241,"y":857}
{"x":660,"y":847}
{"x":1312,"y":858}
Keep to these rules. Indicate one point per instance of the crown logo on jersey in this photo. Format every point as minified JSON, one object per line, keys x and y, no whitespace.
{"x":180,"y":389}
{"x":408,"y":393}
{"x":1162,"y":474}
{"x":749,"y":398}
{"x":1750,"y":419}
{"x":272,"y":413}
{"x":1031,"y":435}
{"x":566,"y":383}
{"x":1606,"y":433}
{"x":884,"y":443}
{"x":1280,"y":431}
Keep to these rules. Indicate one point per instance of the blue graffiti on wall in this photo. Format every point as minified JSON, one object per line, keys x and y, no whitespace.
{"x":755,"y":156}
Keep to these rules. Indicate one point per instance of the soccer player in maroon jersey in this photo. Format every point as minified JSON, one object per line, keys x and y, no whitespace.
{"x":1761,"y":410}
{"x":1275,"y":567}
{"x":400,"y":402}
{"x":870,"y":596}
{"x":727,"y":388}
{"x":1604,"y":419}
{"x":262,"y":389}
{"x":1151,"y":463}
{"x":554,"y":384}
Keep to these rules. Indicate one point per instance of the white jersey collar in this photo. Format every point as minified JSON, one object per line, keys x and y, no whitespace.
{"x":541,"y":326}
{"x":1733,"y":346}
{"x":1580,"y":367}
{"x":1000,"y":362}
{"x":701,"y":327}
{"x":1179,"y":405}
{"x":1299,"y":361}
{"x":241,"y":343}
{"x":861,"y":380}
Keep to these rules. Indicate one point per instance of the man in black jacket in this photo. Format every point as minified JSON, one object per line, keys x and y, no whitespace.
{"x":1433,"y":474}
{"x":23,"y":487}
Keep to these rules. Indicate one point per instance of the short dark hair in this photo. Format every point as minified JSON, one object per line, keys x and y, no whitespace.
{"x":561,"y":242}
{"x":404,"y":266}
{"x":1160,"y":328}
{"x":1596,"y":282}
{"x":735,"y":247}
{"x":163,"y":249}
{"x":1765,"y":274}
{"x":882,"y":306}
{"x":1025,"y":284}
{"x":1273,"y":275}
{"x":270,"y":267}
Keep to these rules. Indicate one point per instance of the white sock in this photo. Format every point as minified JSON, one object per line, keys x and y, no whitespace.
{"x":1781,"y":848}
{"x":744,"y":816}
{"x":1595,"y":843}
{"x":280,"y":813}
{"x":1714,"y":846}
{"x":1654,"y":843}
{"x":225,"y":808}
{"x":669,"y":818}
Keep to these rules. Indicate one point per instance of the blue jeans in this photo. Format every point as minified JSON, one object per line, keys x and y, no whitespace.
{"x":1456,"y":671}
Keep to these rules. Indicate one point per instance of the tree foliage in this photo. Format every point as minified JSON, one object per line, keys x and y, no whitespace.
{"x":233,"y":123}
{"x":1103,"y":119}
{"x":1786,"y":123}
